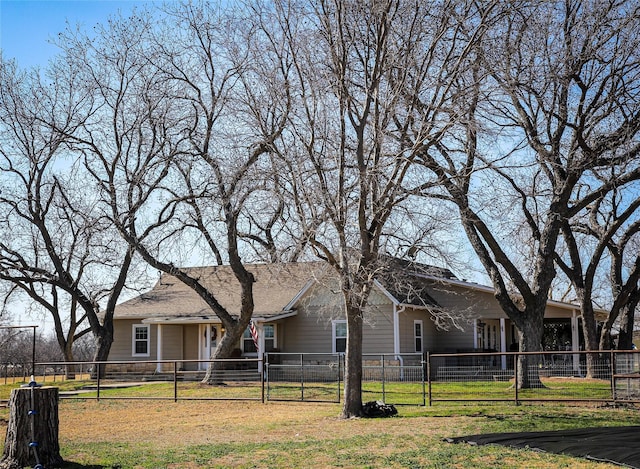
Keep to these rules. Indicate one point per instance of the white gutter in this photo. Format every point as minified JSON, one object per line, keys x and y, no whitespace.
{"x":396,"y":327}
{"x":396,"y":336}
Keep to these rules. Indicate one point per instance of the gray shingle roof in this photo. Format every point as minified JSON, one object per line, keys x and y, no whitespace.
{"x":276,"y":285}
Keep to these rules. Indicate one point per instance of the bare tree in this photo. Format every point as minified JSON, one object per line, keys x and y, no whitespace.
{"x":624,"y":310}
{"x":56,"y":248}
{"x":559,"y":88}
{"x":190,"y":101}
{"x":610,"y":225}
{"x":348,"y":163}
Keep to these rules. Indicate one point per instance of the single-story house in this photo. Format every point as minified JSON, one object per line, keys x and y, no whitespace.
{"x":412,"y":309}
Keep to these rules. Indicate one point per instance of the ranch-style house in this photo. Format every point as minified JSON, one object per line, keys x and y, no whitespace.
{"x":298,"y":309}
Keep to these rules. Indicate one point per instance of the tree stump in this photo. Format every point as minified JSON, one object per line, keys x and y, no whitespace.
{"x":32,"y":432}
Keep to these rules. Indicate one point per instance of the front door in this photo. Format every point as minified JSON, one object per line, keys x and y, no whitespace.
{"x":208,"y":342}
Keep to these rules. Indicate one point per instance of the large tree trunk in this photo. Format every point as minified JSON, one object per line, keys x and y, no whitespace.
{"x":104,"y":339}
{"x":591,"y":338}
{"x":352,"y":406}
{"x":70,"y":368}
{"x":32,"y":433}
{"x":627,"y":319}
{"x":530,"y":336}
{"x":228,"y":342}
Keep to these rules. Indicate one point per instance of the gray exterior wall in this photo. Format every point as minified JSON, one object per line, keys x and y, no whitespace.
{"x":121,"y":349}
{"x":190,"y":345}
{"x":310,"y":331}
{"x":172,"y":342}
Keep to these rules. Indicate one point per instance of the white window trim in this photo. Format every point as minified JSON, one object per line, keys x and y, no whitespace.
{"x":333,"y":333}
{"x":133,"y":340}
{"x":275,"y":334}
{"x":418,"y":321}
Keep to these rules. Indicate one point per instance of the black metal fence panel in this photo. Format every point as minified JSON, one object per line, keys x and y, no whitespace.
{"x":411,"y":379}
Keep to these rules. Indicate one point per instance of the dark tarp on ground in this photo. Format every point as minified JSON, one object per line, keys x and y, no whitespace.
{"x":617,"y":445}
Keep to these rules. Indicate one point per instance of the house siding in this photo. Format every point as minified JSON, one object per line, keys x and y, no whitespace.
{"x":377,"y":332}
{"x":172,"y":345}
{"x":454,"y":340}
{"x":407,"y":318}
{"x":121,"y":349}
{"x":310,"y":331}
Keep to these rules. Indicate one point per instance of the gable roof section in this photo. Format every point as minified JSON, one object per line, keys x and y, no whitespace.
{"x":404,"y":282}
{"x":172,"y":300}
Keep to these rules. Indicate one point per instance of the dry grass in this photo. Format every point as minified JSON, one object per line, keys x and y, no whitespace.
{"x":190,"y":434}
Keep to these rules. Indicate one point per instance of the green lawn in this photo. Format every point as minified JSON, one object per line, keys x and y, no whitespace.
{"x":133,"y":433}
{"x":191,"y":434}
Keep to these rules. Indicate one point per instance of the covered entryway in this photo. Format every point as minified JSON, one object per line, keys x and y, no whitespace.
{"x":209,"y":337}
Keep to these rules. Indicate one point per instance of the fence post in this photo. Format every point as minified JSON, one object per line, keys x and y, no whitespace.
{"x":98,"y":380}
{"x":175,"y":381}
{"x":613,"y":370}
{"x":384,"y":394}
{"x":516,"y":358}
{"x":339,"y":357}
{"x":302,"y":377}
{"x":264,"y":370}
{"x":429,"y":376}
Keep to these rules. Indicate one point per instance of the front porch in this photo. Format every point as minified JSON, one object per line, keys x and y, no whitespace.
{"x":192,"y":345}
{"x":561,"y":335}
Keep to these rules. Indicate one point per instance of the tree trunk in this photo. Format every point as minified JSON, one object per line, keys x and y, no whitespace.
{"x":352,"y":406}
{"x":103,"y":346}
{"x":530,"y":335}
{"x":32,"y":432}
{"x":70,"y":368}
{"x":228,"y":342}
{"x":591,"y":338}
{"x":627,"y":319}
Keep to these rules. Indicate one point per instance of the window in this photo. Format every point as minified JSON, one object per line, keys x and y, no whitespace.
{"x":269,"y":337}
{"x":417,"y":334}
{"x":269,"y":331}
{"x":339,"y":336}
{"x":247,"y":342}
{"x":141,"y":339}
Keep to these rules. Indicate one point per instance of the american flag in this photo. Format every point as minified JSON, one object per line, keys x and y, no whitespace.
{"x":254,"y":333}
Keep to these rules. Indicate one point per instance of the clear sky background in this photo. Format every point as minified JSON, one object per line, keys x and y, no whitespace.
{"x":26,"y":30}
{"x":27,"y":26}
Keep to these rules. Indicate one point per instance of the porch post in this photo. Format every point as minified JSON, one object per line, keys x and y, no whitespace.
{"x":475,"y":334}
{"x":575,"y":341}
{"x":503,"y":344}
{"x":159,"y":349}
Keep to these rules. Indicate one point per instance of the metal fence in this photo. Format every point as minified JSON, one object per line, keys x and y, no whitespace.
{"x":413,"y":379}
{"x":568,"y":376}
{"x":392,"y":378}
{"x":230,"y":379}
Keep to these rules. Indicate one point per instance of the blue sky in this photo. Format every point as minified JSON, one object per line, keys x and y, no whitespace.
{"x":26,"y":26}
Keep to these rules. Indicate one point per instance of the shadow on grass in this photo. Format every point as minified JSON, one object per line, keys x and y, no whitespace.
{"x":73,"y":465}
